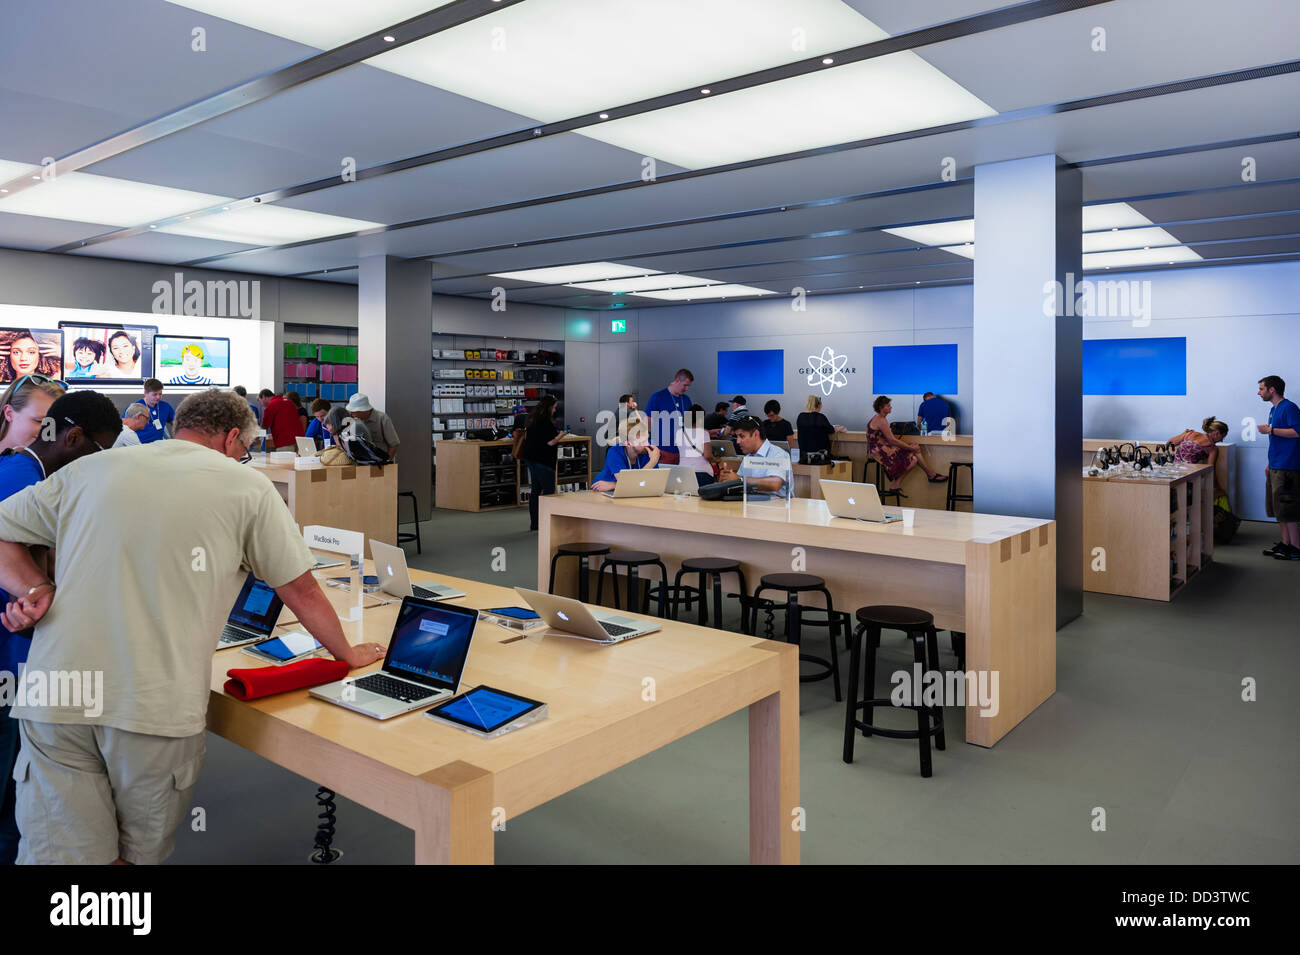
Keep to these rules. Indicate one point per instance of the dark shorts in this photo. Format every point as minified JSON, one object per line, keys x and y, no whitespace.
{"x":1282,"y":495}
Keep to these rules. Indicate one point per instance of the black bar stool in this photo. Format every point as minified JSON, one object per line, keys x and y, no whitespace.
{"x":402,"y":538}
{"x":795,"y":619}
{"x":959,"y":648}
{"x":953,"y":496}
{"x":584,"y":552}
{"x":879,"y":480}
{"x":632,"y":560}
{"x":708,"y":567}
{"x":919,"y":627}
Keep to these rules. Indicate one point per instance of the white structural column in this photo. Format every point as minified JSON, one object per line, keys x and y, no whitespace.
{"x":394,"y":358}
{"x":1028,"y":354}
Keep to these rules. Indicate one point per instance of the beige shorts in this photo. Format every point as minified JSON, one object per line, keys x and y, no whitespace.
{"x":86,"y":795}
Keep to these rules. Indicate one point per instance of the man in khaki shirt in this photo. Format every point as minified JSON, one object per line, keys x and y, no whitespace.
{"x":106,"y":774}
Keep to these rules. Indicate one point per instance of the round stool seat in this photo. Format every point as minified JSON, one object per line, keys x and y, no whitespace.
{"x":710,"y":564}
{"x":891,"y":617}
{"x":632,"y":557}
{"x":792,"y":582}
{"x":582,"y":549}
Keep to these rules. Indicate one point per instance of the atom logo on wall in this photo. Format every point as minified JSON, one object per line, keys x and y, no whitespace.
{"x":827,"y":370}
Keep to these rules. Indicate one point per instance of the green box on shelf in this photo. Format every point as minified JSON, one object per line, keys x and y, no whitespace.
{"x":350,"y":353}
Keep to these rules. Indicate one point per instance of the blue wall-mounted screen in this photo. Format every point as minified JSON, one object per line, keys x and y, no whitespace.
{"x":914,"y":369}
{"x":1135,"y":366}
{"x":751,"y":372}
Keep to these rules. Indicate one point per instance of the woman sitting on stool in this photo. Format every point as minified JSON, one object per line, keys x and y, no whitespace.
{"x":895,"y":457}
{"x":633,"y":450}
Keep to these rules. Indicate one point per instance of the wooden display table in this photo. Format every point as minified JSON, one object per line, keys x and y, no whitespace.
{"x":1222,"y":466}
{"x":453,"y":788}
{"x":808,"y":477}
{"x":1147,"y":536}
{"x":351,"y":498}
{"x":992,"y":577}
{"x":481,"y":475}
{"x":920,"y":492}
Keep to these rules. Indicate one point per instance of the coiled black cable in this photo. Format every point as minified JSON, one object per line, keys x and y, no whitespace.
{"x":324,"y":853}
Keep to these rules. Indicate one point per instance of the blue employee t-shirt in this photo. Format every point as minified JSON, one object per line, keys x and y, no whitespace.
{"x":160,"y":416}
{"x":17,"y":471}
{"x":933,"y":411}
{"x":666,"y":404}
{"x":617,"y":459}
{"x":315,"y":430}
{"x":1284,"y":453}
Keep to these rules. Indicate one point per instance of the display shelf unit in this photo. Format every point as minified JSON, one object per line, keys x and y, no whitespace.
{"x":1147,"y":536}
{"x":319,"y":369}
{"x":483,"y":476}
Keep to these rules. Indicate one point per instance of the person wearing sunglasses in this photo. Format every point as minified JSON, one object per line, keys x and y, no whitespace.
{"x":112,"y":783}
{"x":25,"y":405}
{"x":84,"y":422}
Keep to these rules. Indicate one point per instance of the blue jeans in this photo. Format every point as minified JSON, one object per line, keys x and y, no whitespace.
{"x":9,"y":744}
{"x":542,"y":479}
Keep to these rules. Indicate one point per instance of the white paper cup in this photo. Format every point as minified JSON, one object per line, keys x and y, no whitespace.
{"x":909,"y":516}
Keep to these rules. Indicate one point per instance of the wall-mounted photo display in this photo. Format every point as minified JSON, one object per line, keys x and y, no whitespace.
{"x":30,"y":351}
{"x":192,"y":362}
{"x":117,"y":353}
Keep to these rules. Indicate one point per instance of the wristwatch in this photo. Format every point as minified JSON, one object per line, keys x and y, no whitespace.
{"x":32,"y":590}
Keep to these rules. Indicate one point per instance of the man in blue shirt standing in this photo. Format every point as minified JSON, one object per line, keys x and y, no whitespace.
{"x":666,"y":408}
{"x":161,"y":414}
{"x":1282,"y":487}
{"x":84,"y":422}
{"x":933,"y":413}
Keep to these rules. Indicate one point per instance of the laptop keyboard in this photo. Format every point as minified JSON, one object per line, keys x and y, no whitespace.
{"x":425,"y":592}
{"x":614,"y":630}
{"x":230,"y":635}
{"x":393,"y":689}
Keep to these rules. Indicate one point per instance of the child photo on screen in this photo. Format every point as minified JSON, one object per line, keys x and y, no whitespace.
{"x":24,"y":352}
{"x":124,"y":355}
{"x":191,"y":363}
{"x":87,"y":359}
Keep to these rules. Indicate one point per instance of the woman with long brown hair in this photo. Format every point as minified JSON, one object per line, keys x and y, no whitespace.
{"x":21,"y":353}
{"x":540,"y":439}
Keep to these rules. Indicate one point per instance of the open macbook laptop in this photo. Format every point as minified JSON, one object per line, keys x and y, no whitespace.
{"x":394,"y":578}
{"x":426,"y":657}
{"x":639,"y":482}
{"x":253,"y":617}
{"x":575,"y":618}
{"x":681,"y":479}
{"x":857,"y":501}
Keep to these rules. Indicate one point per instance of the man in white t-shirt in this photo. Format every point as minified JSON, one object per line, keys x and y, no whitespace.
{"x":106,"y":775}
{"x":134,"y":418}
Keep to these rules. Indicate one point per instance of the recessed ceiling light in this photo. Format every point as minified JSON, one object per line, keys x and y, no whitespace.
{"x":152,"y":226}
{"x":661,"y":280}
{"x":36,"y":178}
{"x":604,"y":115}
{"x":706,"y":92}
{"x":390,"y":39}
{"x":323,"y":24}
{"x":828,"y":60}
{"x":569,"y":274}
{"x":708,"y":291}
{"x":268,"y":225}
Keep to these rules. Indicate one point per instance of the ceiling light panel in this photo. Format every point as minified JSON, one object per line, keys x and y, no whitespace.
{"x":708,"y":291}
{"x":323,"y":24}
{"x":570,"y":274}
{"x":1131,"y":257}
{"x":654,"y":281}
{"x":268,"y":225}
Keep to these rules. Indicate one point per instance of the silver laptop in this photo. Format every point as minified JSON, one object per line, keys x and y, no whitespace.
{"x":253,"y":617}
{"x":306,"y":447}
{"x":722,"y":449}
{"x":857,"y":501}
{"x":394,"y":578}
{"x":681,"y":479}
{"x":426,"y":657}
{"x":574,"y":618}
{"x":639,"y":482}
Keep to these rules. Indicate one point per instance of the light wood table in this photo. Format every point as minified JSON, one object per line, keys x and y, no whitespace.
{"x":459,"y":479}
{"x":452,"y":787}
{"x":351,"y":498}
{"x":1222,"y":466}
{"x":808,"y":477}
{"x":992,"y":577}
{"x":1147,"y":536}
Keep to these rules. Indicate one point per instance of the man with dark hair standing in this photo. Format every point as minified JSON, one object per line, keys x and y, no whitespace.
{"x":666,"y":409}
{"x":161,"y":414}
{"x":112,"y":782}
{"x":84,"y":422}
{"x":1282,"y":477}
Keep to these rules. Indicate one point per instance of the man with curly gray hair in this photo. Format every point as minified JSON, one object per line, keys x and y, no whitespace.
{"x":109,"y":778}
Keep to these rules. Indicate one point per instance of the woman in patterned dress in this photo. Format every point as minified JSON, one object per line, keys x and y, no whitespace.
{"x":895,"y":456}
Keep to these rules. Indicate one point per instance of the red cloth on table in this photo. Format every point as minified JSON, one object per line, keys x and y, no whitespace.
{"x":252,"y":683}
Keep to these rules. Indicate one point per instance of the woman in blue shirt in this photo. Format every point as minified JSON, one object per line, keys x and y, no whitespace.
{"x":633,"y":450}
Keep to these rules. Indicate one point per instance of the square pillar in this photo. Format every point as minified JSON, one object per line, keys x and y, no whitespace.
{"x":1028,"y":348}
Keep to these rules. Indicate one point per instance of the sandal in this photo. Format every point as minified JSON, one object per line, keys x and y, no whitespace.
{"x":938,"y":479}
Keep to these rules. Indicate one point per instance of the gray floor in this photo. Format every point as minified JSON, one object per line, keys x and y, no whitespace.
{"x":1147,"y":723}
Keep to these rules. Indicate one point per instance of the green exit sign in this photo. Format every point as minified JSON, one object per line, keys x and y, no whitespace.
{"x":618,"y":325}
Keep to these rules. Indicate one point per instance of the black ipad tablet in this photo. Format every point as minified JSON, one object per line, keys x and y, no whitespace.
{"x":486,"y":710}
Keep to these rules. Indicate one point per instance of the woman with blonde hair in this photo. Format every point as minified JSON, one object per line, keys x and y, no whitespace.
{"x":814,"y":428}
{"x":633,"y":450}
{"x":25,"y":404}
{"x":1200,"y":447}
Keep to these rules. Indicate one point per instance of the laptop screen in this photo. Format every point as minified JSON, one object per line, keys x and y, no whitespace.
{"x":257,"y":608}
{"x":430,"y":642}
